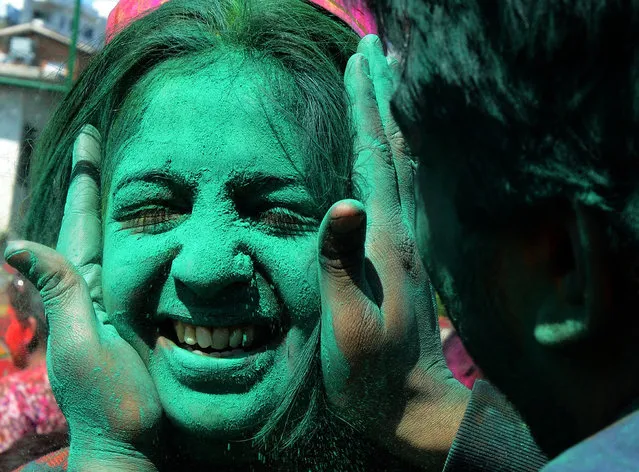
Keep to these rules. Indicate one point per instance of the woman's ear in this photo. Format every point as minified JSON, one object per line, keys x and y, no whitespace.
{"x":579,"y":293}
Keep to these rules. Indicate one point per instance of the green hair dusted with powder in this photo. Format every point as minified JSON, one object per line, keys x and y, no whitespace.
{"x":309,"y":45}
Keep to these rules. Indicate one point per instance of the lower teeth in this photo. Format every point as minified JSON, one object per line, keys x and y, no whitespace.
{"x":231,"y":353}
{"x":237,"y":352}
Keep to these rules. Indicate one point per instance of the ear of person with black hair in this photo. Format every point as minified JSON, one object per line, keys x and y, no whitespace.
{"x":525,"y":129}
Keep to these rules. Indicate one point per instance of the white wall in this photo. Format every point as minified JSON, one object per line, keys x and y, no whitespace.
{"x":18,"y":107}
{"x":11,"y":123}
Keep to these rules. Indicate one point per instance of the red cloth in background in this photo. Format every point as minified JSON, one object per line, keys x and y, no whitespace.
{"x":6,"y":364}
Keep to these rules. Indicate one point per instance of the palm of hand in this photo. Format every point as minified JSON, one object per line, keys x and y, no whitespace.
{"x":380,"y":347}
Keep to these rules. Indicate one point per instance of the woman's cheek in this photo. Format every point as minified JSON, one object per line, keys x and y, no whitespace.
{"x":132,"y":265}
{"x":295,"y":275}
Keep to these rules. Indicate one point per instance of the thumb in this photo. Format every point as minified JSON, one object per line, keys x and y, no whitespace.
{"x":64,"y":293}
{"x":345,"y":298}
{"x":341,"y":244}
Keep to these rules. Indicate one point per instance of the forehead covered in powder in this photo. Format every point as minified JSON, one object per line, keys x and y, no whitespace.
{"x":228,"y":103}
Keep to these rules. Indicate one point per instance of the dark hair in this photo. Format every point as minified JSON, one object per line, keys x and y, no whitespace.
{"x":310,"y":48}
{"x":27,"y":303}
{"x":543,"y":92}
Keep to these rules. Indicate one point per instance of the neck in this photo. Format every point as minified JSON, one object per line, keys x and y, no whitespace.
{"x":334,"y":446}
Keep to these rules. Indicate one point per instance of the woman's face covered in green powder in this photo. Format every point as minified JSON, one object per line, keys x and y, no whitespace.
{"x":209,"y":247}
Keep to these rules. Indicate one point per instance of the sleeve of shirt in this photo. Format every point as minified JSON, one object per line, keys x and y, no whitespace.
{"x":492,"y":437}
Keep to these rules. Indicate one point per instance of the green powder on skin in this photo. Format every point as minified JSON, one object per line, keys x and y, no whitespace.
{"x":209,"y":234}
{"x":198,"y":143}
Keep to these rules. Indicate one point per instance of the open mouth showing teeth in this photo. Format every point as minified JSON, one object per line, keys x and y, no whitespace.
{"x":231,"y":341}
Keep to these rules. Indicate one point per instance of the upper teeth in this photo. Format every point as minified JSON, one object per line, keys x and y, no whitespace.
{"x":217,"y":338}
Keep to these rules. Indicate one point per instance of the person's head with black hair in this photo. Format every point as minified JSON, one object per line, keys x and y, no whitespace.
{"x":524,"y":115}
{"x":26,"y":335}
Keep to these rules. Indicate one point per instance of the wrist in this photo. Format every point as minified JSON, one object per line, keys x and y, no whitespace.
{"x":430,"y":421}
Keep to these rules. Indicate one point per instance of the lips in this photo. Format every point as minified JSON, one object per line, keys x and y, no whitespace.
{"x":236,"y":358}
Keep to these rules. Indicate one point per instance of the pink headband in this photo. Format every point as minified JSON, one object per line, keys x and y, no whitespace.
{"x":356,"y":16}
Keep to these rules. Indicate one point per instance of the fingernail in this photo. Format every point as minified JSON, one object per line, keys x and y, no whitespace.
{"x":346,"y":224}
{"x":347,"y":217}
{"x":20,"y":259}
{"x":90,"y":130}
{"x":345,"y":235}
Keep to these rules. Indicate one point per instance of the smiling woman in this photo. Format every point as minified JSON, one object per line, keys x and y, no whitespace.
{"x":216,"y":216}
{"x":222,"y":136}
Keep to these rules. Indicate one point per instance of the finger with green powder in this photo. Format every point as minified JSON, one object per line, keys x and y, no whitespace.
{"x":80,"y":237}
{"x":385,"y":73}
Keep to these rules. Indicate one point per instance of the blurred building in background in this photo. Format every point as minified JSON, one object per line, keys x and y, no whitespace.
{"x":35,"y":46}
{"x":57,"y":16}
{"x":9,"y":15}
{"x":33,"y":51}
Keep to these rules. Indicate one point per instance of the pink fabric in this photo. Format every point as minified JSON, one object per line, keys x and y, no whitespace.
{"x":125,"y":12}
{"x":356,"y":16}
{"x":459,"y":361}
{"x":27,"y":405}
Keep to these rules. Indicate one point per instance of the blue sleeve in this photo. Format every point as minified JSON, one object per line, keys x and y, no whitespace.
{"x":492,"y":437}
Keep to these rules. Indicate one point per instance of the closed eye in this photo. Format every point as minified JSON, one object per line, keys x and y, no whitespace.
{"x":286,"y":222}
{"x":152,"y":220}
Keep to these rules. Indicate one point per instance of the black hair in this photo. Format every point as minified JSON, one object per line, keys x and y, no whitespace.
{"x":543,"y":92}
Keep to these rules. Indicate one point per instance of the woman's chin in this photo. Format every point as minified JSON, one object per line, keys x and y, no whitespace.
{"x":218,"y":399}
{"x":207,"y":429}
{"x":190,"y":448}
{"x":224,"y":417}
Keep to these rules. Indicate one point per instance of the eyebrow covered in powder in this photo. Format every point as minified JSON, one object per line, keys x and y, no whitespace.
{"x":254,"y":182}
{"x":260,"y":182}
{"x":156,"y":176}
